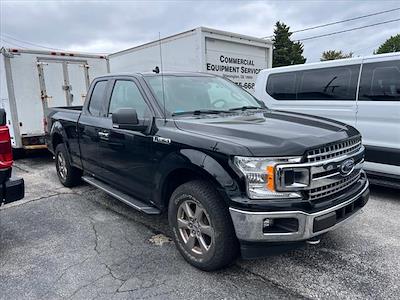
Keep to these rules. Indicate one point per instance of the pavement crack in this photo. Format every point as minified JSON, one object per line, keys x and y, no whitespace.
{"x":96,"y":234}
{"x":63,"y":273}
{"x":96,"y":245}
{"x":126,"y":238}
{"x":24,"y":201}
{"x":286,"y":289}
{"x":111,"y":273}
{"x":86,"y":285}
{"x":20,"y":168}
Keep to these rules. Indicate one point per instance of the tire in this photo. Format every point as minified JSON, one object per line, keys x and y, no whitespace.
{"x":68,"y":175}
{"x":207,"y":239}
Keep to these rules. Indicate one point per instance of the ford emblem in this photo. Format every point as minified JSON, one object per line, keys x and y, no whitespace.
{"x":347,"y":167}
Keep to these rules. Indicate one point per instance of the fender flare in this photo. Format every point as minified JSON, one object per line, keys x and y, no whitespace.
{"x":198,"y":162}
{"x":57,"y":128}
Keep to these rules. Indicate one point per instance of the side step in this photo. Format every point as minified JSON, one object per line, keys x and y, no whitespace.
{"x":128,"y":200}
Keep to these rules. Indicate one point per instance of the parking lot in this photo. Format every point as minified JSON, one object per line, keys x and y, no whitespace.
{"x":82,"y":244}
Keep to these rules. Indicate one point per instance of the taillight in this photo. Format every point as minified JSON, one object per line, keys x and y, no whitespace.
{"x":6,"y":156}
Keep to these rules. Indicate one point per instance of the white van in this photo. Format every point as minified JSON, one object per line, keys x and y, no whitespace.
{"x":363,"y":92}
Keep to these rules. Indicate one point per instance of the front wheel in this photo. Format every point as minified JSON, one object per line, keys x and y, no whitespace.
{"x":202,"y":226}
{"x":68,"y":175}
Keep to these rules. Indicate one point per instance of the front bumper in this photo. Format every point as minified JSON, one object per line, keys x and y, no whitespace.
{"x":295,"y":225}
{"x":12,"y":189}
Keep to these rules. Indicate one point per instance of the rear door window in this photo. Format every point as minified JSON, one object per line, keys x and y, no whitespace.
{"x":338,"y":83}
{"x":282,"y":86}
{"x":380,"y":81}
{"x":96,"y":104}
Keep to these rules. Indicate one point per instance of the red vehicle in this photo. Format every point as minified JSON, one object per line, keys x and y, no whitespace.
{"x":12,"y":189}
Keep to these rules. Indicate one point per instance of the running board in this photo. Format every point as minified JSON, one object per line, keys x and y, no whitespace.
{"x":128,"y":200}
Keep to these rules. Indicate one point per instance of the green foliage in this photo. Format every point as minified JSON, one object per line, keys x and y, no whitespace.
{"x":392,"y":44}
{"x":286,"y":52}
{"x":335,"y":54}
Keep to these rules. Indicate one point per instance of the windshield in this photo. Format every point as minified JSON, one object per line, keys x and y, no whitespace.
{"x":200,"y":93}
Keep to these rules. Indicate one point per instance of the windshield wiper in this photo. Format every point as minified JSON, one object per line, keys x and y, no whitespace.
{"x":246,"y":107}
{"x":199,"y":112}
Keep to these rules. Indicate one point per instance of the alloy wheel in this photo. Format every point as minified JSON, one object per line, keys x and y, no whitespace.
{"x":194,"y":227}
{"x":62,"y":166}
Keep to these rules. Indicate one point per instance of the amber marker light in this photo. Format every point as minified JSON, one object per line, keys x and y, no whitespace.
{"x":271,"y":178}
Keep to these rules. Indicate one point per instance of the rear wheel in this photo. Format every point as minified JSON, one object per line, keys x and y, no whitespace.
{"x":202,"y":227}
{"x":68,"y":175}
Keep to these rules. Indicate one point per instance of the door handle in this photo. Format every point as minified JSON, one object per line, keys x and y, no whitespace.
{"x":103,"y":135}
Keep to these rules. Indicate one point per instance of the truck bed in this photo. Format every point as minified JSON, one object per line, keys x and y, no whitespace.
{"x":64,"y":110}
{"x":63,"y":114}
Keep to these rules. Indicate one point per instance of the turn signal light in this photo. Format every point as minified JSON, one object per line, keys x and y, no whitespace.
{"x":271,"y":178}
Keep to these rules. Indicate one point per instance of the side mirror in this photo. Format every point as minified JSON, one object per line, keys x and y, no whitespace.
{"x":126,"y":118}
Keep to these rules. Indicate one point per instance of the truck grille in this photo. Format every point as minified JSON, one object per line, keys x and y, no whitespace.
{"x":327,"y":177}
{"x":333,"y":188}
{"x":334,"y":150}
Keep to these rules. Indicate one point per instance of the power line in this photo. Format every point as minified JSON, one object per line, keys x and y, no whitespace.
{"x":365,"y":48}
{"x":29,"y":43}
{"x":40,"y":46}
{"x":342,"y":21}
{"x":347,"y":30}
{"x":12,"y":43}
{"x":347,"y":20}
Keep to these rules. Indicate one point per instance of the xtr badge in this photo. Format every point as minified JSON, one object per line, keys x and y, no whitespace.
{"x":161,"y":140}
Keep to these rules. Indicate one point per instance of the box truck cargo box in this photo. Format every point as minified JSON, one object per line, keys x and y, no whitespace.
{"x":33,"y":80}
{"x":237,"y":57}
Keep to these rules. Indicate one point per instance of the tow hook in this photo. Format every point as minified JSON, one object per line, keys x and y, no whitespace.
{"x":314,"y":241}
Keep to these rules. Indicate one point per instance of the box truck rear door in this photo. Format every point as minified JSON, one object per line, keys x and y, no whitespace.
{"x":53,"y":85}
{"x":79,"y":82}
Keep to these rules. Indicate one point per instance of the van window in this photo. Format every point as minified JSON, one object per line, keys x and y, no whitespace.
{"x":97,"y":99}
{"x":126,"y":94}
{"x":380,"y":81}
{"x":338,"y":83}
{"x":282,"y":86}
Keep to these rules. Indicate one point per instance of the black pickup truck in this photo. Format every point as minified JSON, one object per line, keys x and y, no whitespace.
{"x":234,"y":176}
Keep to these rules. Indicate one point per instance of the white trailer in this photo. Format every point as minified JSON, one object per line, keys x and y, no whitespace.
{"x":237,"y":57}
{"x":33,"y":80}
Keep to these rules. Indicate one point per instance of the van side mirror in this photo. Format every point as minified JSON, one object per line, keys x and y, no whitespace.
{"x":126,"y":118}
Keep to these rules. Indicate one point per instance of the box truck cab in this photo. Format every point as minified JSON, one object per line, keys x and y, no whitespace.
{"x":362,"y":92}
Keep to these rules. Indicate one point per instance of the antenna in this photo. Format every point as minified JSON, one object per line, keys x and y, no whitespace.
{"x":162,"y":78}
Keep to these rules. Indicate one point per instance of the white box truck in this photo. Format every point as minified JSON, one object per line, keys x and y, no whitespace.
{"x":234,"y":56}
{"x":33,"y":80}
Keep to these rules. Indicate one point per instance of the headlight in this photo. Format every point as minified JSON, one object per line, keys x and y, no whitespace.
{"x":260,"y":174}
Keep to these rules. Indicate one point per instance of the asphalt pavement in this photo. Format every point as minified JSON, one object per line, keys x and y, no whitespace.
{"x":82,"y":244}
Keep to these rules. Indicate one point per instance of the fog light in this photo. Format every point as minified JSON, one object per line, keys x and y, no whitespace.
{"x":268,"y":223}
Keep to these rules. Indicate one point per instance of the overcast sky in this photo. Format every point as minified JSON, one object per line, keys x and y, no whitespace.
{"x":109,"y":26}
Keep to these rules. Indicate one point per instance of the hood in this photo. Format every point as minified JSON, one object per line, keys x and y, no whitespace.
{"x":268,"y":133}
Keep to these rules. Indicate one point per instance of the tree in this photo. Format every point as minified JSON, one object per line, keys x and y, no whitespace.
{"x":335,"y":54}
{"x":286,"y":52}
{"x":392,"y":44}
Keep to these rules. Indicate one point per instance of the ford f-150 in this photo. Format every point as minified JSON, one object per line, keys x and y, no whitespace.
{"x":234,"y":176}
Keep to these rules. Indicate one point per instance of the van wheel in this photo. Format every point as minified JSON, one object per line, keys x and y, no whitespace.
{"x":202,"y":228}
{"x":68,"y":175}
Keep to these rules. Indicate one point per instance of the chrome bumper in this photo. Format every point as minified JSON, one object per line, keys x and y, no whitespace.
{"x":249,"y":225}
